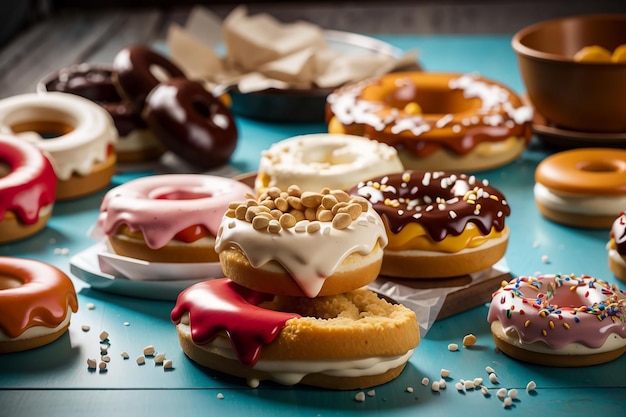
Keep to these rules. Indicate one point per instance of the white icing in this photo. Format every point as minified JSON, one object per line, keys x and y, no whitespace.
{"x":75,"y":152}
{"x":589,"y":205}
{"x":309,"y":257}
{"x":316,"y":161}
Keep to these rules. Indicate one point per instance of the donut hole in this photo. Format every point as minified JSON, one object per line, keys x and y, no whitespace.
{"x":5,"y":169}
{"x":8,"y":282}
{"x":329,"y":155}
{"x":170,"y":193}
{"x":600,"y":166}
{"x":432,"y":101}
{"x":46,"y":122}
{"x":45,"y":129}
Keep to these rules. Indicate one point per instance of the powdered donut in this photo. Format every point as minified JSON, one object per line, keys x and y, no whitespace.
{"x":36,"y":302}
{"x":345,"y":341}
{"x":559,"y":320}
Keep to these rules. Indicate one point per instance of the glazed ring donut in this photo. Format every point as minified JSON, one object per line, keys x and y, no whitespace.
{"x":191,"y":122}
{"x":315,"y":161}
{"x":168,"y":218}
{"x":297,"y":243}
{"x":76,"y":133}
{"x":345,"y":341}
{"x":138,"y":69}
{"x":94,"y":82}
{"x":27,"y":189}
{"x":438,"y":224}
{"x":436,"y":121}
{"x":559,"y":320}
{"x":36,"y":303}
{"x":582,"y":187}
{"x":617,"y":247}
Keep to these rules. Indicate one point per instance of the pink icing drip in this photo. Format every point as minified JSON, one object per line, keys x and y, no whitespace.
{"x":30,"y":185}
{"x":221,"y":305}
{"x":578,"y":316}
{"x":140,"y":205}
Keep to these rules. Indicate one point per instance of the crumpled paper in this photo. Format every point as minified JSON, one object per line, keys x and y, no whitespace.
{"x":262,"y":53}
{"x":427,"y":303}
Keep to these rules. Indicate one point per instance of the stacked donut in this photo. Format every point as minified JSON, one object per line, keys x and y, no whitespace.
{"x":292,"y":309}
{"x":439,"y":224}
{"x":154,"y":106}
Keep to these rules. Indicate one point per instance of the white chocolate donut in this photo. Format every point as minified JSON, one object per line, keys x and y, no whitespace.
{"x":315,"y":161}
{"x":83,"y":137}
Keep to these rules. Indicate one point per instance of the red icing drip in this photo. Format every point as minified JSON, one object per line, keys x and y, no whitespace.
{"x":221,"y":305}
{"x":31,"y":182}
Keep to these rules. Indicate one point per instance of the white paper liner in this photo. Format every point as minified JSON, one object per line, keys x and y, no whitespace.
{"x":262,"y":53}
{"x":427,"y":303}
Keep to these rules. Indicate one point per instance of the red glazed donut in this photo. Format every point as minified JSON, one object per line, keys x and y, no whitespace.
{"x":191,"y":122}
{"x":138,"y":69}
{"x":26,"y":191}
{"x":35,"y":303}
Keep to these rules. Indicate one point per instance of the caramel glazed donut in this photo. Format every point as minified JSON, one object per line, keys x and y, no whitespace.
{"x":465,"y":122}
{"x":582,"y":187}
{"x":617,"y":247}
{"x":297,"y":243}
{"x":559,"y":320}
{"x":27,"y":189}
{"x":36,"y":302}
{"x":438,"y":224}
{"x":76,"y":133}
{"x":343,"y":341}
{"x":168,"y":218}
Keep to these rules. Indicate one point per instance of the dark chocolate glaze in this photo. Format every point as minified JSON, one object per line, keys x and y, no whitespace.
{"x":429,"y":199}
{"x":188,"y":120}
{"x":133,"y":73}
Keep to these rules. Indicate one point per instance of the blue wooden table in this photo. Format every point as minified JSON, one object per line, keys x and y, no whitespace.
{"x":54,"y":379}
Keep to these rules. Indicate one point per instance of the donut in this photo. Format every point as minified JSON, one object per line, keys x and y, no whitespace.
{"x":345,"y":341}
{"x":168,"y":218}
{"x":189,"y":121}
{"x":295,"y":243}
{"x":582,"y":187}
{"x":439,"y":224}
{"x":559,"y":320}
{"x":138,"y":69}
{"x":76,"y":133}
{"x":315,"y":161}
{"x":27,"y":189}
{"x":94,"y":82}
{"x":437,"y":121}
{"x":617,"y":247}
{"x":36,"y":303}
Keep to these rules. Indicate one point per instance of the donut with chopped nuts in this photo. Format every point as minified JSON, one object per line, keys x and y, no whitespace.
{"x":169,"y":218}
{"x":344,"y":341}
{"x":295,"y":243}
{"x":438,"y":224}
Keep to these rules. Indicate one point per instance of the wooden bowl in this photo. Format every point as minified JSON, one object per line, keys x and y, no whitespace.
{"x":582,"y":96}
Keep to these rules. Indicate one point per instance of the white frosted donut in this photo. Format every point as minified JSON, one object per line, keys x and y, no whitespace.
{"x":315,"y":161}
{"x":78,"y":134}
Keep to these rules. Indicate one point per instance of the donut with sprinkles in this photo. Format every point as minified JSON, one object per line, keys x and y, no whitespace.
{"x":559,"y":320}
{"x":438,"y":224}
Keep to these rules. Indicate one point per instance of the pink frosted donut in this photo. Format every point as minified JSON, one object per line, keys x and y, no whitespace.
{"x":168,"y":218}
{"x":559,"y":320}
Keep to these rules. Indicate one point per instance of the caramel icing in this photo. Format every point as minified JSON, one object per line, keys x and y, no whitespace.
{"x":460,"y":111}
{"x":30,"y":184}
{"x":162,"y":206}
{"x":418,"y":205}
{"x":560,"y":310}
{"x":220,"y":305}
{"x":586,"y":172}
{"x":33,"y":294}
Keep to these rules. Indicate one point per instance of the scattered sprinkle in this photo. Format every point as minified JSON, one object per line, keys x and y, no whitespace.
{"x":477,"y":382}
{"x":508,"y":401}
{"x":531,"y":386}
{"x":104,"y":336}
{"x":359,"y":397}
{"x":459,"y":386}
{"x":91,"y":363}
{"x":485,"y":391}
{"x":159,"y":359}
{"x":106,"y":358}
{"x":220,"y":396}
{"x":102,"y":366}
{"x":91,"y":306}
{"x":141,"y":360}
{"x":85,"y":328}
{"x":453,"y":347}
{"x":126,"y":323}
{"x":490,"y":370}
{"x":149,"y":350}
{"x":104,"y":349}
{"x":501,"y":393}
{"x":469,"y":340}
{"x":469,"y":385}
{"x":425,"y":381}
{"x":409,"y":389}
{"x":445,"y":373}
{"x":371,"y":393}
{"x":545,"y":259}
{"x":435,"y":386}
{"x":124,"y":355}
{"x":513,"y":393}
{"x":442,"y":384}
{"x":168,"y":364}
{"x":493,"y":378}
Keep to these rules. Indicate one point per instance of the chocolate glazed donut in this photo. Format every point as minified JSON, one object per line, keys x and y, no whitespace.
{"x":191,"y":122}
{"x":138,"y":69}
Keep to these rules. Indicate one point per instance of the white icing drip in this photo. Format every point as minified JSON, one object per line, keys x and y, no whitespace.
{"x":309,"y":257}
